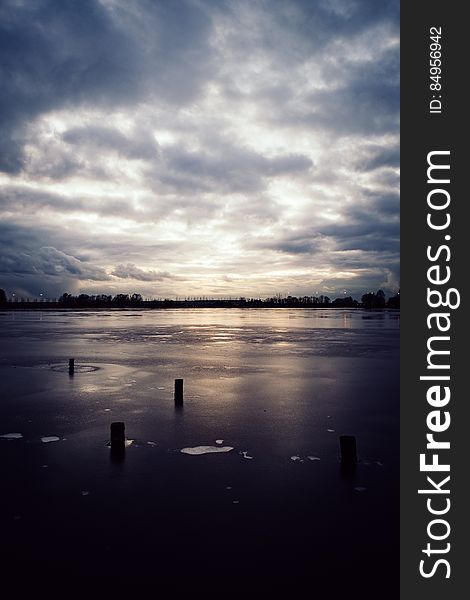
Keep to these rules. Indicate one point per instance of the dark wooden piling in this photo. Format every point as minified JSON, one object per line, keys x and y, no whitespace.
{"x":118,"y":436}
{"x":348,"y":449}
{"x":71,"y":366}
{"x":179,"y":396}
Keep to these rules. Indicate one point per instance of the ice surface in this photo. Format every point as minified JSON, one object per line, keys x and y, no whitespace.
{"x":50,"y":438}
{"x":11,"y":436}
{"x":288,"y":375}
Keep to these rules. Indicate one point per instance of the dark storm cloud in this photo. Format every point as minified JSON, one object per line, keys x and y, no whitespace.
{"x":153,"y":210}
{"x":363,"y":99}
{"x":140,"y":145}
{"x":365,"y":228}
{"x":58,"y":53}
{"x":388,"y":158}
{"x":229,"y":169}
{"x":371,"y":226}
{"x":299,"y":242}
{"x":28,"y":261}
{"x":130,"y":271}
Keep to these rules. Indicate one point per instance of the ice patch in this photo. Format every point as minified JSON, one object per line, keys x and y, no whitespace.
{"x":64,"y":368}
{"x":152,"y":444}
{"x":219,"y":441}
{"x":330,"y":430}
{"x":246,"y":455}
{"x":11,"y":436}
{"x":313,"y":458}
{"x":50,"y":438}
{"x":128,"y":443}
{"x":296,"y":457}
{"x":197,"y":450}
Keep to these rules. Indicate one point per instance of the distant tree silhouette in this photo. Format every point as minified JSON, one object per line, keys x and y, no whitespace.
{"x":380,"y":299}
{"x":3,"y":298}
{"x":394,"y":301}
{"x":121,"y":300}
{"x":347,"y":302}
{"x":369,"y":300}
{"x":372,"y":300}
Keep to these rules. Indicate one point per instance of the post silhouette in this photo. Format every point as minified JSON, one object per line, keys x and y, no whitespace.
{"x":179,"y":396}
{"x":348,"y":449}
{"x":71,"y":366}
{"x":118,"y":436}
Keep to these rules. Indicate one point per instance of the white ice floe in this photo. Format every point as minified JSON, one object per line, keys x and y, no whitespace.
{"x":246,"y":455}
{"x":152,"y":443}
{"x":128,"y":443}
{"x":50,"y":438}
{"x":11,"y":436}
{"x":219,"y":442}
{"x":313,"y":458}
{"x":330,"y":430}
{"x":197,"y":450}
{"x":296,"y":458}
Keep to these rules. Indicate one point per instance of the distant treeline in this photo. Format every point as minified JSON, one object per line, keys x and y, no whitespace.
{"x":369,"y":300}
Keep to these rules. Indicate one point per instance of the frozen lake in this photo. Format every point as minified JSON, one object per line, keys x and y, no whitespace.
{"x":276,"y":386}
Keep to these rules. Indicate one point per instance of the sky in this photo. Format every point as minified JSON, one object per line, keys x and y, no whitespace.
{"x":199,"y":147}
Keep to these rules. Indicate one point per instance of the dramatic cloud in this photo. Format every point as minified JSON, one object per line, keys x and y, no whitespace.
{"x":195,"y":147}
{"x":130,"y":271}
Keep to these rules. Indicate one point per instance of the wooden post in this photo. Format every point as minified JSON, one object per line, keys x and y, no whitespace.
{"x":71,"y":366}
{"x":178,"y":392}
{"x":348,"y":449}
{"x":118,"y":436}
